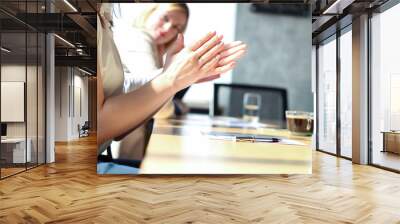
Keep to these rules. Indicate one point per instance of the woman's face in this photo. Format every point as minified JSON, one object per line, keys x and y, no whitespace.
{"x":164,"y":25}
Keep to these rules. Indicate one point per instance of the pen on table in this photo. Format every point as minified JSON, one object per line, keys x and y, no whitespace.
{"x":255,"y":139}
{"x":245,"y":139}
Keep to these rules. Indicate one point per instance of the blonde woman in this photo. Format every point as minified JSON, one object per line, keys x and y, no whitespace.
{"x":143,"y":46}
{"x":119,"y":113}
{"x":142,"y":49}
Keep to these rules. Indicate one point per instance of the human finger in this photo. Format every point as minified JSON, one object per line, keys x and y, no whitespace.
{"x":209,"y":78}
{"x":225,"y":68}
{"x":231,"y":58}
{"x":233,"y":44}
{"x":232,"y":49}
{"x":203,"y":40}
{"x":211,"y":53}
{"x":211,"y":65}
{"x":207,"y":46}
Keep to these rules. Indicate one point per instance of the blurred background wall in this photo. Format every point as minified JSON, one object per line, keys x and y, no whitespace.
{"x":279,"y":52}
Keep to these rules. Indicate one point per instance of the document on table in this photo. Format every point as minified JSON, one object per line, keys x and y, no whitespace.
{"x":236,"y":123}
{"x":232,"y":136}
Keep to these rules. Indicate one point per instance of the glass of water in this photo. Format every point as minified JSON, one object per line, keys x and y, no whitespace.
{"x":251,"y":107}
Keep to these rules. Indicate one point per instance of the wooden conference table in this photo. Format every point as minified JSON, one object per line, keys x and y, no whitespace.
{"x":180,"y":146}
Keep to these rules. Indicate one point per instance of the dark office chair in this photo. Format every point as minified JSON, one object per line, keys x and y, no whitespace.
{"x":84,"y":130}
{"x":228,"y":101}
{"x":179,"y":106}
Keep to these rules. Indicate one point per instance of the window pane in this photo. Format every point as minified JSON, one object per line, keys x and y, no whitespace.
{"x":346,"y":94}
{"x":386,"y":89}
{"x":327,"y":96}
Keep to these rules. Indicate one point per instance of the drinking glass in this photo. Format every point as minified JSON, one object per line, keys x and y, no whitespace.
{"x":300,"y":122}
{"x":251,"y":107}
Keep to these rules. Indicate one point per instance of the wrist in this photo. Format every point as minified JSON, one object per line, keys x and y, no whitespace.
{"x":168,"y":82}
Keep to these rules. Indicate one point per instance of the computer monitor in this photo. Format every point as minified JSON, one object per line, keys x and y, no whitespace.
{"x":3,"y":129}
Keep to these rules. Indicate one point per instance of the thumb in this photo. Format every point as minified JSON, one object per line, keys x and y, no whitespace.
{"x":178,"y":45}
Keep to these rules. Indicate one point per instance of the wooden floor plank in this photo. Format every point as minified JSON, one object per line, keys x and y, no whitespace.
{"x":70,"y":191}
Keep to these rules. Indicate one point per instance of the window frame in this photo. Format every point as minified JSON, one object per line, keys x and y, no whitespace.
{"x":333,"y":37}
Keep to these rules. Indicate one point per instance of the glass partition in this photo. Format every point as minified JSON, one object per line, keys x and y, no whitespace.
{"x":22,"y":76}
{"x":14,"y":153}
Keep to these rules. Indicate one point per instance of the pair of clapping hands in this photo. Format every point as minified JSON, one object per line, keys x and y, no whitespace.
{"x":204,"y":60}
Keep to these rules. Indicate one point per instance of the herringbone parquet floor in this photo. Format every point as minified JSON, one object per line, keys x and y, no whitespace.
{"x":70,"y":191}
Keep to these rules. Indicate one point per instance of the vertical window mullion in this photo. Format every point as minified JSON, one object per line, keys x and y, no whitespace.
{"x":338,"y":80}
{"x":0,"y":94}
{"x":369,"y":77}
{"x":37,"y":89}
{"x":26,"y":86}
{"x":317,"y":97}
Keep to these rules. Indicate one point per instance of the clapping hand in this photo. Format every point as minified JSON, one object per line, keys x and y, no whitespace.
{"x":202,"y":61}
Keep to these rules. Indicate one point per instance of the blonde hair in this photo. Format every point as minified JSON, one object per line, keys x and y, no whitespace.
{"x":141,"y":20}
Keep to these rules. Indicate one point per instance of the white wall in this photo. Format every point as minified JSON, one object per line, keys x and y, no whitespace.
{"x":205,"y":17}
{"x":70,"y":84}
{"x":80,"y":103}
{"x":61,"y":103}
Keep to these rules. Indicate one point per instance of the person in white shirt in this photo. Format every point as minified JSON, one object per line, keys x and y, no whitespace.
{"x":119,"y":113}
{"x":142,"y":47}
